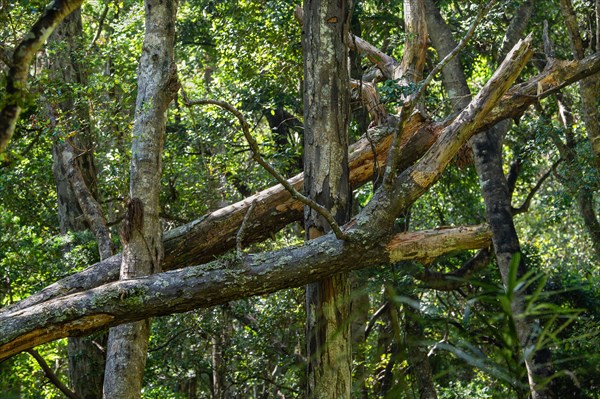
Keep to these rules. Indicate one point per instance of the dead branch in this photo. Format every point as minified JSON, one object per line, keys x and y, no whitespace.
{"x":321,"y":210}
{"x":218,"y":282}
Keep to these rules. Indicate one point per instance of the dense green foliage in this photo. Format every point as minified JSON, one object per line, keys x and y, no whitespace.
{"x":249,"y":54}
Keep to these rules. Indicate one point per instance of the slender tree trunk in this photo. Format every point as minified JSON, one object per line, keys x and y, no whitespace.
{"x":219,"y":344}
{"x":487,"y":149}
{"x":86,"y":358}
{"x":358,"y":318}
{"x":142,"y":233}
{"x":417,"y":354}
{"x":326,"y":117}
{"x":588,"y":90}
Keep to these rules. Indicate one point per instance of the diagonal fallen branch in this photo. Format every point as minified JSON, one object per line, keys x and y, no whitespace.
{"x":215,"y":233}
{"x":321,"y":210}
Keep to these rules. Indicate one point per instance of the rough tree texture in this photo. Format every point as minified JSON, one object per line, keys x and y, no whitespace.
{"x":16,"y":80}
{"x":588,"y":89}
{"x":487,"y":150}
{"x":319,"y":258}
{"x":142,"y":232}
{"x":219,"y":282}
{"x":199,"y":241}
{"x":415,"y":42}
{"x":326,"y":118}
{"x":86,"y":359}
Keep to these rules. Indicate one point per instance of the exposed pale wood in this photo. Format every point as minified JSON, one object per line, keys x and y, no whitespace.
{"x":201,"y":240}
{"x":217,"y":283}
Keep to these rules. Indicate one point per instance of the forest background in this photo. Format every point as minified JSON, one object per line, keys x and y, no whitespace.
{"x":435,"y":312}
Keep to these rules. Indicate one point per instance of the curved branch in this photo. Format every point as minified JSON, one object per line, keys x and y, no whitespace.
{"x":51,"y":375}
{"x":16,"y":81}
{"x":452,"y":281}
{"x":89,"y":206}
{"x":100,"y":26}
{"x":527,"y":203}
{"x":215,"y":233}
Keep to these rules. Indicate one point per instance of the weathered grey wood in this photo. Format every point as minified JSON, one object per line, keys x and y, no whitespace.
{"x":217,"y":283}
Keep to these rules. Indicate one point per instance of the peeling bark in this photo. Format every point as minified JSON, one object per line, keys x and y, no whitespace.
{"x":326,"y":119}
{"x":217,"y":283}
{"x":214,"y":234}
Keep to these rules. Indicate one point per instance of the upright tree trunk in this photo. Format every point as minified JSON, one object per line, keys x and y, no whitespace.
{"x":588,"y":90}
{"x":86,"y":359}
{"x":219,"y":343}
{"x":417,"y":354}
{"x":359,"y":317}
{"x":487,"y":149}
{"x":326,"y":117}
{"x":142,"y":232}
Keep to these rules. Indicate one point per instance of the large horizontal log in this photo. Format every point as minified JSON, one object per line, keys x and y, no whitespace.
{"x":214,"y":234}
{"x":217,"y":283}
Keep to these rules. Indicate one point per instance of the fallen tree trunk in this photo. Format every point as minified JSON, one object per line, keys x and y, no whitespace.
{"x":212,"y":235}
{"x":218,"y":282}
{"x":367,"y":244}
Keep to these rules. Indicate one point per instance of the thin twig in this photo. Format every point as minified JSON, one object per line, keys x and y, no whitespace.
{"x":51,"y":375}
{"x":375,"y":317}
{"x":240,"y":234}
{"x":100,"y":26}
{"x":527,"y":203}
{"x":321,"y":210}
{"x":172,"y":338}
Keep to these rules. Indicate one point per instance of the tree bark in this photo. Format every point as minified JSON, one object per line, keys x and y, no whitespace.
{"x":588,"y":90}
{"x":219,"y":343}
{"x":217,"y":283}
{"x":201,"y":240}
{"x":15,"y":338}
{"x":86,"y":359}
{"x":142,"y":232}
{"x":182,"y":243}
{"x":326,"y":118}
{"x":417,"y":354}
